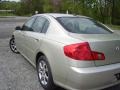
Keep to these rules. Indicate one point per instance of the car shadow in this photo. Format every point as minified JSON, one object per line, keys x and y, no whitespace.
{"x":60,"y":88}
{"x":116,"y":87}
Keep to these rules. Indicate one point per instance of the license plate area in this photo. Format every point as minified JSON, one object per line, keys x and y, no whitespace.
{"x":117,"y":76}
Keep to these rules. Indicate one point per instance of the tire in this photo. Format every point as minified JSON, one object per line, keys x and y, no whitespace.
{"x":13,"y":46}
{"x":44,"y":74}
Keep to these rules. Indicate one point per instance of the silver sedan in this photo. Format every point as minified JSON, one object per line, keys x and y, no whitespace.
{"x":74,"y":52}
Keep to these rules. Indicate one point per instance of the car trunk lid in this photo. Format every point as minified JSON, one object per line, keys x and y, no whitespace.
{"x":109,"y":44}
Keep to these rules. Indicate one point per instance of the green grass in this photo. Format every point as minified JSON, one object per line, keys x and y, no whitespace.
{"x":11,"y":14}
{"x":7,"y":14}
{"x":114,"y":27}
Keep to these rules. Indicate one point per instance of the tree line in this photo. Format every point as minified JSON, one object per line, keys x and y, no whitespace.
{"x":106,"y":11}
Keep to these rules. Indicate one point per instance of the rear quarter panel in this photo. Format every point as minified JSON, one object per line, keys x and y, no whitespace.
{"x":55,"y":55}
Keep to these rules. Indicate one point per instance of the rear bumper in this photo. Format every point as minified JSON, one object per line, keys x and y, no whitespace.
{"x":93,"y":78}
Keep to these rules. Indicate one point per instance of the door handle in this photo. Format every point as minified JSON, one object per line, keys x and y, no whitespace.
{"x":36,"y":39}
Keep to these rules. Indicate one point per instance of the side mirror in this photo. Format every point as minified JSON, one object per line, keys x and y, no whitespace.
{"x":18,"y":28}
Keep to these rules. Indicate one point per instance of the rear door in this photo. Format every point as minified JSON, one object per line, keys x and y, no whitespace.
{"x":34,"y":38}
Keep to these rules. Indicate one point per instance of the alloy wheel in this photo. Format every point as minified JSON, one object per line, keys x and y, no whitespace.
{"x":43,"y":72}
{"x":13,"y":45}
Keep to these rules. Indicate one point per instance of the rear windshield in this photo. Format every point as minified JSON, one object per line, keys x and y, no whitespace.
{"x":81,"y":25}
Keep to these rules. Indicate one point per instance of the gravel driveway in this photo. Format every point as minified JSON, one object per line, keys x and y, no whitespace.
{"x":15,"y":72}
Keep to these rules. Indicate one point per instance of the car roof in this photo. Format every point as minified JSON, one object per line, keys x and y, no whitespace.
{"x":55,"y":15}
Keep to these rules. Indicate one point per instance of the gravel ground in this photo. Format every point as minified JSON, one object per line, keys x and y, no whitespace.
{"x":15,"y":72}
{"x":7,"y":25}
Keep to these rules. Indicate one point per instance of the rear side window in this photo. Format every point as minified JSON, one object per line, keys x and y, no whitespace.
{"x":81,"y":25}
{"x":45,"y":27}
{"x":27,"y":26}
{"x":39,"y":23}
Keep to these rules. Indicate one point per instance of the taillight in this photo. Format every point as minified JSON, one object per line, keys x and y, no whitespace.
{"x":82,"y":51}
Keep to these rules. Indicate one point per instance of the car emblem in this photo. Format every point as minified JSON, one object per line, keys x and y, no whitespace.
{"x":117,"y":48}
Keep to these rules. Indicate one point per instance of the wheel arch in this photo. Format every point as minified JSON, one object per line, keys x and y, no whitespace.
{"x":38,"y":55}
{"x":12,"y":36}
{"x":37,"y":58}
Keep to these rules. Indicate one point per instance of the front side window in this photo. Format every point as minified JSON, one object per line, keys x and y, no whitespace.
{"x":81,"y":25}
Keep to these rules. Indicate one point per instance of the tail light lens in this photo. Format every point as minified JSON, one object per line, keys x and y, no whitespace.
{"x":82,"y":51}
